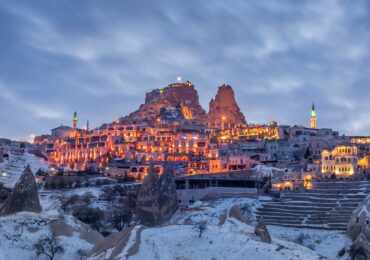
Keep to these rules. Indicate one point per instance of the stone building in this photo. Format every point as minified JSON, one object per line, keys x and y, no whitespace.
{"x":341,"y":161}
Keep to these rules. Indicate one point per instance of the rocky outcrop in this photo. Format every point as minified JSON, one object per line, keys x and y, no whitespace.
{"x":24,"y":196}
{"x":167,"y":200}
{"x":147,"y":209}
{"x":358,"y":230}
{"x":360,"y":249}
{"x":262,"y":232}
{"x":224,"y":109}
{"x":116,"y":245}
{"x":173,"y":96}
{"x":60,"y":228}
{"x":235,"y":212}
{"x":91,"y":236}
{"x":360,"y":221}
{"x":157,"y":198}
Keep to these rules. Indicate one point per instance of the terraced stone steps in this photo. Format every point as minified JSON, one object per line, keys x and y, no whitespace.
{"x":328,"y":206}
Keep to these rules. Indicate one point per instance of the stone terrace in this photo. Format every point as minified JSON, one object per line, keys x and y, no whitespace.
{"x":328,"y":206}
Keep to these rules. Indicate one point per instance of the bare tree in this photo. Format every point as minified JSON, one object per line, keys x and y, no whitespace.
{"x":131,"y":200}
{"x":121,"y":219}
{"x":91,"y":216}
{"x":357,"y":252}
{"x":81,"y":253}
{"x":49,"y":246}
{"x":201,"y":228}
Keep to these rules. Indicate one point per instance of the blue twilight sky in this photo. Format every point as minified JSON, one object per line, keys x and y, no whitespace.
{"x":101,"y":57}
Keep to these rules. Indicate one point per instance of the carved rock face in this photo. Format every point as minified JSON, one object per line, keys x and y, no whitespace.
{"x":24,"y":196}
{"x":224,"y":107}
{"x":157,"y":198}
{"x":360,"y":221}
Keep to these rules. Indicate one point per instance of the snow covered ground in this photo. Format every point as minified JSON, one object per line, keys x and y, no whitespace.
{"x":18,"y":234}
{"x":211,"y":212}
{"x":325,"y":242}
{"x":12,"y":168}
{"x":179,"y":239}
{"x":233,"y":240}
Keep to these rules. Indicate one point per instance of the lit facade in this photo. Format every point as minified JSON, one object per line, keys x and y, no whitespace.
{"x":341,"y":161}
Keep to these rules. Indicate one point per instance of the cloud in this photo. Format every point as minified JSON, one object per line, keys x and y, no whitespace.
{"x":36,"y":109}
{"x":102,"y":57}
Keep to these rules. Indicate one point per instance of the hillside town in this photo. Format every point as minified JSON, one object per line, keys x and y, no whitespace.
{"x":170,"y":155}
{"x":184,"y":130}
{"x":172,"y":128}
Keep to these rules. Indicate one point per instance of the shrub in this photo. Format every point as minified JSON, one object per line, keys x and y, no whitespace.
{"x":81,"y":254}
{"x":70,"y":201}
{"x":300,"y":238}
{"x":201,"y":228}
{"x":91,"y":216}
{"x":4,"y":193}
{"x":48,"y":246}
{"x":121,"y":219}
{"x":341,"y":252}
{"x":357,"y":253}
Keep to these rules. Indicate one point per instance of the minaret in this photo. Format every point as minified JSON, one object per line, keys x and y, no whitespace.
{"x":75,"y":120}
{"x":313,"y":116}
{"x":75,"y":136}
{"x":87,"y":126}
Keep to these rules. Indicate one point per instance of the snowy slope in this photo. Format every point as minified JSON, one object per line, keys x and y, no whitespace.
{"x":18,"y":234}
{"x":12,"y":167}
{"x":326,"y":242}
{"x":232,"y":240}
{"x":211,"y":212}
{"x":178,"y":239}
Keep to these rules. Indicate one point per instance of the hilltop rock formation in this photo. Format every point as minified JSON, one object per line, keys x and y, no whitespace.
{"x":176,"y":95}
{"x":157,"y":198}
{"x":225,"y":106}
{"x":24,"y":196}
{"x":360,"y":221}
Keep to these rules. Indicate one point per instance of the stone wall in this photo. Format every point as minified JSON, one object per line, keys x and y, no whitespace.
{"x":188,"y":196}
